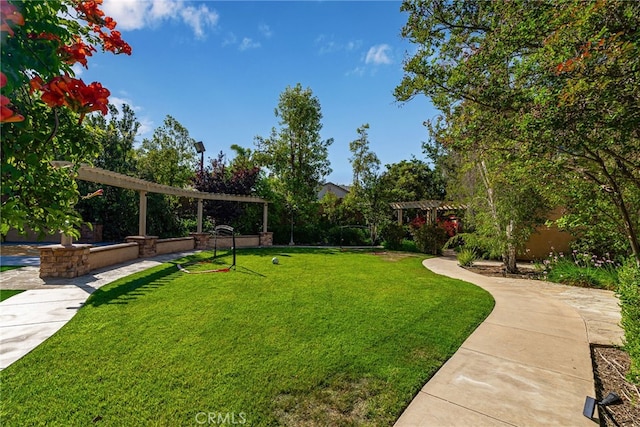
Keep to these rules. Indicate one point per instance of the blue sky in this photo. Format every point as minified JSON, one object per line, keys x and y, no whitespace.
{"x":219,"y":68}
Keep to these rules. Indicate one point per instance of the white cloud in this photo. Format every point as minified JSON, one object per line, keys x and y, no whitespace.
{"x":248,"y":43}
{"x":199,"y":18}
{"x":229,"y":39}
{"x":378,"y":55}
{"x":137,"y":14}
{"x":265,"y":30}
{"x":358,"y":71}
{"x":329,"y":45}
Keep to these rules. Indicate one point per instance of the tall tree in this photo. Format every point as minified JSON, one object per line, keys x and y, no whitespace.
{"x":410,"y":180}
{"x":296,"y":155}
{"x":239,"y":177}
{"x":43,"y":106}
{"x":168,"y":157}
{"x":366,"y":190}
{"x":116,"y":138}
{"x":539,"y":76}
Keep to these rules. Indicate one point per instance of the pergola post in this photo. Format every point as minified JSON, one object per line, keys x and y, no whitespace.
{"x":265,"y":216}
{"x":399,"y":212}
{"x":199,"y":229}
{"x":142,"y":219}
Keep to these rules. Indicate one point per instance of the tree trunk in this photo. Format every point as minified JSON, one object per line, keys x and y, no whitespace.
{"x":509,"y":255}
{"x":291,"y":243}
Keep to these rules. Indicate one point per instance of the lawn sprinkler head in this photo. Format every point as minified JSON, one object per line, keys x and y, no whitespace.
{"x":275,"y":260}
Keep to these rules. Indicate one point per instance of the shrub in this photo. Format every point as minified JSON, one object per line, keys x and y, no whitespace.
{"x":483,"y":247}
{"x":348,"y":236}
{"x":430,"y":238}
{"x":466,"y":257}
{"x":393,"y":234}
{"x":581,"y":269}
{"x":409,"y":246}
{"x":629,"y":295}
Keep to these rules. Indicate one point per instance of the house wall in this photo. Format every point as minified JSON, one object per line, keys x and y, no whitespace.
{"x":546,"y":240}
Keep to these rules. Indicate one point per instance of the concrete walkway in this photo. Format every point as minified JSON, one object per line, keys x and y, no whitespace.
{"x":527,"y":364}
{"x":29,"y":318}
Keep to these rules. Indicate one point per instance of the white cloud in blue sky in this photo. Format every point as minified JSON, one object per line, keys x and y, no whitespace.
{"x":136,"y":14}
{"x":248,"y":43}
{"x":327,"y":44}
{"x":378,"y":55}
{"x":265,"y":30}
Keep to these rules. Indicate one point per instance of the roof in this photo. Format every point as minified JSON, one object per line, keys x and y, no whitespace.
{"x":103,"y":176}
{"x":428,"y":204}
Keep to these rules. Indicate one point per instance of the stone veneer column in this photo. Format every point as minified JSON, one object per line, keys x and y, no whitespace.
{"x":66,"y":261}
{"x":146,"y":245}
{"x":266,"y":238}
{"x":201,"y":240}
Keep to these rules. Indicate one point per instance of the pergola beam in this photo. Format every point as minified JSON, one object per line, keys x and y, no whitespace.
{"x":431,"y":206}
{"x":103,"y":176}
{"x":114,"y":179}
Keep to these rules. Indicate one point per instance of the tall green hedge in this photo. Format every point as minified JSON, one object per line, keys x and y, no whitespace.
{"x":629,"y":294}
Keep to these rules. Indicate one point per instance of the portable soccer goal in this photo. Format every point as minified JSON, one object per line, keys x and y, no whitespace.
{"x":225,"y":231}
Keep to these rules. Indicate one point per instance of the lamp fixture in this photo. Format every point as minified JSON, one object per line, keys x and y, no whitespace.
{"x":199,"y":146}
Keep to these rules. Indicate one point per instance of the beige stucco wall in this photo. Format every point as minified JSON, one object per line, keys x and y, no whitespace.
{"x":547,"y":239}
{"x":103,"y":256}
{"x":176,"y":244}
{"x":241,"y":242}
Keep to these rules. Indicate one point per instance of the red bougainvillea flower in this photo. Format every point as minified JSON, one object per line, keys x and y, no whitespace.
{"x":89,"y":11}
{"x":7,"y":115}
{"x":43,"y":36}
{"x":113,"y":42}
{"x":9,"y":13}
{"x":77,"y":52}
{"x":73,"y":93}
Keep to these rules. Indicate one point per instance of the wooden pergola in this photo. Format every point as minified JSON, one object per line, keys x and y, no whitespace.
{"x":431,"y":207}
{"x":114,"y":179}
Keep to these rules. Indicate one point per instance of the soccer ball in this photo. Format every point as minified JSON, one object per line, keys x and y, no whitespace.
{"x":275,"y":260}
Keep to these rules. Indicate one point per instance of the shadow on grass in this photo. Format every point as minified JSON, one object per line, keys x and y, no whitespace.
{"x":135,"y":287}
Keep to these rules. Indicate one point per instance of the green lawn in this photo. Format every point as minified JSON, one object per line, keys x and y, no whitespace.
{"x":8,"y":267}
{"x":326,"y":337}
{"x":7,"y":293}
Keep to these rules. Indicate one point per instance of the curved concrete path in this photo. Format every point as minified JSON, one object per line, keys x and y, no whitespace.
{"x":527,"y":364}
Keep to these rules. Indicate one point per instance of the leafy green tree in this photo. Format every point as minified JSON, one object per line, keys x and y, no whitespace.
{"x":117,"y":209}
{"x":239,"y":177}
{"x":555,"y":84}
{"x":411,"y":180}
{"x":296,"y":155}
{"x":367,"y":190}
{"x":43,"y":107}
{"x":167,"y":158}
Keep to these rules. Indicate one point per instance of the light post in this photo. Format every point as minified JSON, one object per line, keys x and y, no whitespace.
{"x":199,"y":146}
